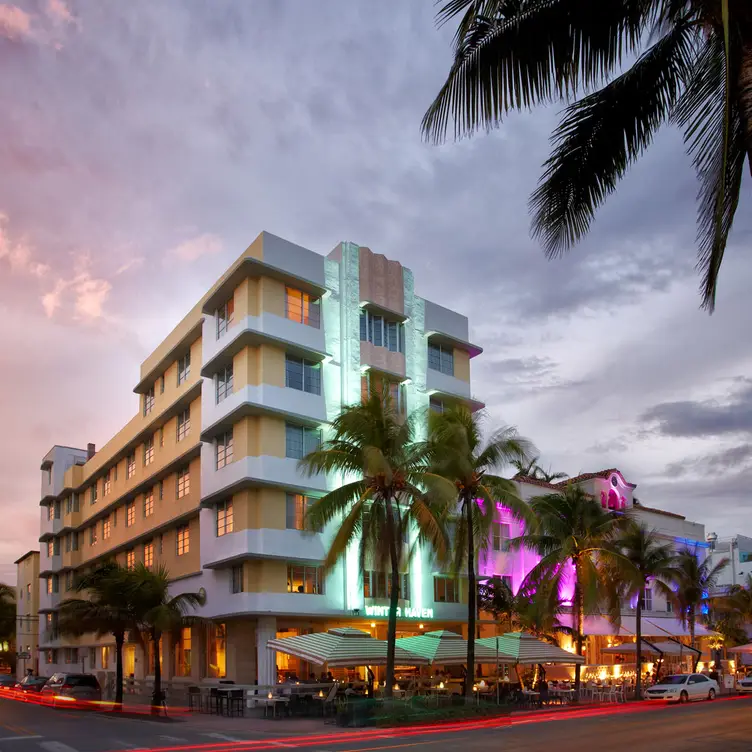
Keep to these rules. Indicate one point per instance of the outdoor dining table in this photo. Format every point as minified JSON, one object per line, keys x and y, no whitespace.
{"x":273,"y":703}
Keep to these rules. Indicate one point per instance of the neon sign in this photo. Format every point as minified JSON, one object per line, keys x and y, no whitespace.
{"x":407,"y":612}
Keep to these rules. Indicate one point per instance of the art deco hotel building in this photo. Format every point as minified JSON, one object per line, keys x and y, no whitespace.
{"x":204,"y":479}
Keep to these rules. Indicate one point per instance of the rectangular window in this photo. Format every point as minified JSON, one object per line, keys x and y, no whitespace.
{"x":223,"y":450}
{"x":74,"y":541}
{"x":49,"y":549}
{"x":149,"y":400}
{"x":297,"y":506}
{"x":302,"y":307}
{"x":184,"y":423}
{"x":68,"y":542}
{"x":149,"y":503}
{"x":71,"y":655}
{"x":160,"y":488}
{"x":303,"y":579}
{"x":69,"y":580}
{"x":225,"y":316}
{"x":105,"y":657}
{"x":379,"y":585}
{"x":381,"y":332}
{"x":93,"y":535}
{"x":363,"y":325}
{"x":216,"y":654}
{"x":500,"y":536}
{"x":435,"y":404}
{"x":441,"y":358}
{"x":161,"y":384}
{"x":55,"y":584}
{"x":56,"y":508}
{"x":50,"y":513}
{"x":76,"y":503}
{"x":161,"y":437}
{"x":184,"y":368}
{"x":106,"y":484}
{"x":49,"y":585}
{"x":397,"y":393}
{"x":183,"y":653}
{"x":67,"y":504}
{"x":646,"y":601}
{"x":224,"y":518}
{"x":56,"y":546}
{"x":669,"y":606}
{"x":183,"y":540}
{"x":130,"y":559}
{"x":236,"y":583}
{"x":446,"y":590}
{"x":149,"y":451}
{"x":106,"y":528}
{"x":224,"y":383}
{"x":130,"y":513}
{"x":130,"y":465}
{"x":301,"y":440}
{"x":149,"y":554}
{"x":93,"y":494}
{"x":304,"y":375}
{"x":183,"y":482}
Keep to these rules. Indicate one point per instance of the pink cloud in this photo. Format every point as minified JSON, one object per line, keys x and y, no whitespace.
{"x":14,"y":22}
{"x":85,"y":293}
{"x":58,"y":11}
{"x":18,"y":255}
{"x":203,"y":245}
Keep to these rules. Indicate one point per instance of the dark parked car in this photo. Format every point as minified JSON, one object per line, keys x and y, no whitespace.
{"x":7,"y":681}
{"x":31,"y":684}
{"x":82,"y":687}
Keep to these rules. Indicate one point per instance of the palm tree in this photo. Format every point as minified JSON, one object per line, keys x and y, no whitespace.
{"x":106,"y":609}
{"x":157,"y":613}
{"x":382,"y":497}
{"x":573,"y":529}
{"x":692,"y":67}
{"x":548,"y":476}
{"x":526,"y":468}
{"x":693,"y":582}
{"x":650,"y":560}
{"x":459,"y":455}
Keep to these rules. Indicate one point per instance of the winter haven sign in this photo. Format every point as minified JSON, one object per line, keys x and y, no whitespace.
{"x":402,"y":613}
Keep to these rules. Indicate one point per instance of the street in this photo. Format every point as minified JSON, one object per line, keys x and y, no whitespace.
{"x":726,"y":724}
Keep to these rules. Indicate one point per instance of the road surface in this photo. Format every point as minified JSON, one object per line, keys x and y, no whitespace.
{"x":725,"y":724}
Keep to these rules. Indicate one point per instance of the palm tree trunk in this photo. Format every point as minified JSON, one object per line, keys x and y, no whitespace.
{"x":579,"y":617}
{"x":638,"y":649}
{"x":744,"y":84}
{"x":391,"y":630}
{"x":692,"y":638}
{"x":471,"y":601}
{"x":119,"y":640}
{"x":156,"y":699}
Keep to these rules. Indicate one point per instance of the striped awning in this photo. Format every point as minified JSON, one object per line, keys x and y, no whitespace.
{"x":652,"y":647}
{"x":449,"y":649}
{"x":525,"y":648}
{"x":343,"y":646}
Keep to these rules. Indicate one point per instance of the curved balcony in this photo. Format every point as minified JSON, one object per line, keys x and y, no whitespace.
{"x":265,"y":543}
{"x":296,"y":338}
{"x":265,"y":470}
{"x":258,"y":400}
{"x":450,"y":386}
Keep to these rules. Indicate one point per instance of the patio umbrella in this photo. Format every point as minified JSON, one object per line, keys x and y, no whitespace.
{"x":525,"y":648}
{"x":449,"y":648}
{"x":343,"y":646}
{"x":669,"y":647}
{"x":741,"y":648}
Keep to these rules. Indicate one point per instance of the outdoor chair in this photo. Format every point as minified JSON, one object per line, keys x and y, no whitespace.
{"x":195,"y":700}
{"x":216,"y":701}
{"x":236,"y":702}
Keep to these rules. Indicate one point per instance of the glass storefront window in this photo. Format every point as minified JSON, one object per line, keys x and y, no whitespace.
{"x":217,"y":651}
{"x":183,"y":653}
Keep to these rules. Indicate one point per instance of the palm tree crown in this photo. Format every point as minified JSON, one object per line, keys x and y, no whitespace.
{"x":693,"y":67}
{"x":459,"y":455}
{"x":383,"y":497}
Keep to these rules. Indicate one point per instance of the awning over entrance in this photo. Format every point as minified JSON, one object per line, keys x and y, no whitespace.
{"x":658,"y":626}
{"x":449,"y":649}
{"x":525,"y":648}
{"x":665,"y":647}
{"x":654,"y":626}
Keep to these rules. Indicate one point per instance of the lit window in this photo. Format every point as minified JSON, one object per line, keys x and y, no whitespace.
{"x":149,"y":555}
{"x":441,"y":358}
{"x":49,"y":549}
{"x":304,"y":375}
{"x":130,"y":559}
{"x":302,"y":307}
{"x":183,"y":482}
{"x":130,"y":513}
{"x":224,"y":518}
{"x":303,"y":579}
{"x":184,"y":423}
{"x":130,"y":465}
{"x":106,"y":528}
{"x":149,"y":400}
{"x":297,"y":506}
{"x":107,"y":484}
{"x":161,"y":384}
{"x":216,"y":655}
{"x":300,"y":440}
{"x":184,"y":368}
{"x":236,"y":582}
{"x":93,"y":535}
{"x":224,"y":383}
{"x":500,"y":536}
{"x":446,"y":590}
{"x":49,"y":585}
{"x":93,"y":494}
{"x":224,"y":449}
{"x":149,"y":451}
{"x":183,"y":653}
{"x":183,"y":540}
{"x":50,"y":512}
{"x":379,"y":585}
{"x":646,"y":601}
{"x":225,"y":316}
{"x":149,"y":503}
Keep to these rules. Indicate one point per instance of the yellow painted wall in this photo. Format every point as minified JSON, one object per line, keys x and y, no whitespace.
{"x":265,"y":576}
{"x":461,"y":365}
{"x":259,"y":508}
{"x":261,"y":364}
{"x":258,"y":435}
{"x":272,"y":296}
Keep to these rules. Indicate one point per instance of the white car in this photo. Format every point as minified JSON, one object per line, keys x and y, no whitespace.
{"x":683,"y":688}
{"x":744,"y":684}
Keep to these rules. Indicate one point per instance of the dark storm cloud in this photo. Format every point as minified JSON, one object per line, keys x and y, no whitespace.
{"x":718,"y":463}
{"x":706,"y":418}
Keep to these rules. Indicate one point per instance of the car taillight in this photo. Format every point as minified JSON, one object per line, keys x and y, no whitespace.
{"x":67,"y":686}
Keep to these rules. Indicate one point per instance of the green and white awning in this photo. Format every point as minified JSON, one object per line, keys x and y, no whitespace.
{"x":449,"y":649}
{"x":525,"y":648}
{"x":343,"y":646}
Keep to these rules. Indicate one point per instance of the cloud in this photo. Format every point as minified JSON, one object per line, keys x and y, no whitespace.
{"x":85,"y":293}
{"x":18,"y":254}
{"x":688,"y":418}
{"x":135,"y":263}
{"x":14,"y":23}
{"x":717,"y":463}
{"x":195,"y":248}
{"x":59,"y":12}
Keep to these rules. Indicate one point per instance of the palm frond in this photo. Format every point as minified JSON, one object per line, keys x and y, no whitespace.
{"x":602,"y":135}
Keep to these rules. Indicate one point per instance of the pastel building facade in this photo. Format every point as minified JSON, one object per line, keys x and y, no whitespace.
{"x":27,"y":612}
